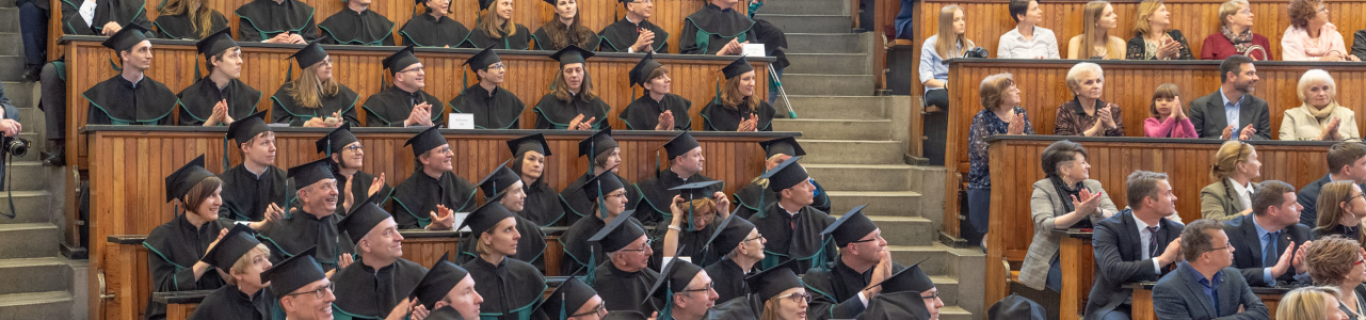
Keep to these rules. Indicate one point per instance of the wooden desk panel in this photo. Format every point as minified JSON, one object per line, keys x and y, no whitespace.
{"x":1078,"y":273}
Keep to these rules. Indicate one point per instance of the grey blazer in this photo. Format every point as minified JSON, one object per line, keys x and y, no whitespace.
{"x":1218,"y":203}
{"x":1045,"y":206}
{"x":1177,"y":297}
{"x":1207,"y":114}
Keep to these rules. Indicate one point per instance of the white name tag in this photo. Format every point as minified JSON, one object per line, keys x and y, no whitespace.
{"x":460,"y":218}
{"x":753,"y":50}
{"x":460,"y":121}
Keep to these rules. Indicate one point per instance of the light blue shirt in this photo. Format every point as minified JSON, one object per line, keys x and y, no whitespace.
{"x":1266,"y":241}
{"x":1231,"y":112}
{"x":1144,"y":237}
{"x":932,"y":66}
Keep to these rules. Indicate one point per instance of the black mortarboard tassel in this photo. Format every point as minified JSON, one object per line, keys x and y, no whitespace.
{"x":363,"y":218}
{"x":293,"y":273}
{"x":126,"y":38}
{"x":307,"y":174}
{"x":673,"y":279}
{"x":850,"y":227}
{"x":535,"y":142}
{"x":784,"y":145}
{"x":310,"y":55}
{"x":336,"y":140}
{"x":773,"y":281}
{"x":909,"y":279}
{"x":571,"y":54}
{"x":643,"y":69}
{"x":484,"y":4}
{"x":694,"y":190}
{"x":438,"y":282}
{"x":498,"y":180}
{"x":619,"y":233}
{"x":182,"y":180}
{"x":571,"y":295}
{"x":483,"y":59}
{"x":729,"y":234}
{"x":239,"y":240}
{"x":426,"y":141}
{"x":736,"y":68}
{"x":400,"y":60}
{"x":597,"y":144}
{"x":785,"y":175}
{"x":215,"y":43}
{"x":603,"y":183}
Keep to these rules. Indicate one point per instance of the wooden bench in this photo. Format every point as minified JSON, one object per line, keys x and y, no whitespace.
{"x":1143,"y":299}
{"x":1078,"y":272}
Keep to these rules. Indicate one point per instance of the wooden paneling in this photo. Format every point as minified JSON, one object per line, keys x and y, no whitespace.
{"x":529,"y":76}
{"x":1078,"y":273}
{"x":180,"y":311}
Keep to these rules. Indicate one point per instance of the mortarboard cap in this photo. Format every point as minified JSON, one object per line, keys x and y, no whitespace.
{"x":485,"y":217}
{"x":245,"y":129}
{"x":571,"y":54}
{"x":909,"y":279}
{"x":607,"y":182}
{"x":535,"y":142}
{"x":1015,"y":306}
{"x":736,"y":68}
{"x":126,"y":38}
{"x":786,"y":175}
{"x":239,"y":240}
{"x":307,"y":174}
{"x":571,"y":295}
{"x":426,"y":141}
{"x":484,"y":4}
{"x":498,"y":180}
{"x":334,"y":141}
{"x":362,"y":219}
{"x":643,"y":69}
{"x":293,"y":273}
{"x":619,"y":233}
{"x":215,"y":43}
{"x":729,"y":234}
{"x":400,"y":60}
{"x":784,"y":145}
{"x":483,"y":59}
{"x":182,"y":180}
{"x":310,"y":55}
{"x":850,"y":227}
{"x":673,"y":279}
{"x":694,"y":190}
{"x":680,"y":144}
{"x":773,"y":281}
{"x":597,"y":144}
{"x":438,"y":282}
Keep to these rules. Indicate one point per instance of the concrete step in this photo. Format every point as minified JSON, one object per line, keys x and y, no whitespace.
{"x":852,"y":151}
{"x":837,"y":129}
{"x":880,"y":203}
{"x":23,"y":94}
{"x":861,"y":177}
{"x":906,"y":231}
{"x":7,"y":3}
{"x":826,"y":42}
{"x":829,"y":63}
{"x":11,"y":67}
{"x":803,"y":7}
{"x":9,"y":20}
{"x":836,"y":107}
{"x":32,"y":119}
{"x":954,"y":313}
{"x":26,"y":176}
{"x":942,"y":259}
{"x":28,"y":240}
{"x":33,"y":275}
{"x":809,"y":23}
{"x":32,"y":206}
{"x":37,"y":305}
{"x":827,"y":85}
{"x":11,"y":44}
{"x":948,"y":289}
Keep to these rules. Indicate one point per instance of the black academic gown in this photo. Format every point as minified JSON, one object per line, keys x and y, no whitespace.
{"x":834,"y":290}
{"x":444,"y":313}
{"x":391,"y":106}
{"x":229,"y":303}
{"x":710,"y":28}
{"x":716,"y":117}
{"x":578,"y":251}
{"x":657,"y":197}
{"x":895,"y":306}
{"x":576,"y":204}
{"x":181,"y":27}
{"x":519,"y":41}
{"x":197,"y":101}
{"x":553,"y":113}
{"x":285,"y":110}
{"x":734,"y":309}
{"x":748,"y":198}
{"x":427,"y":31}
{"x":792,"y":237}
{"x":542,"y":206}
{"x":727,"y":279}
{"x":302,"y":230}
{"x":118,"y":102}
{"x":620,"y":35}
{"x":502,"y":110}
{"x":621,"y":290}
{"x":512,"y":289}
{"x":359,"y":190}
{"x":349,"y":27}
{"x":365,"y":293}
{"x":694,"y":244}
{"x":123,"y":12}
{"x":543,"y":42}
{"x":173,"y":248}
{"x":530,"y":248}
{"x":643,"y":113}
{"x":417,"y":197}
{"x":245,"y":197}
{"x":260,"y":20}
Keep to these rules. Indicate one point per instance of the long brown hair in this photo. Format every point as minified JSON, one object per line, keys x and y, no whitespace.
{"x":489,"y":25}
{"x":944,"y":45}
{"x":1329,"y":204}
{"x":308,"y":90}
{"x":200,"y":16}
{"x":562,"y":87}
{"x":561,"y":36}
{"x":1091,"y":16}
{"x":731,"y":97}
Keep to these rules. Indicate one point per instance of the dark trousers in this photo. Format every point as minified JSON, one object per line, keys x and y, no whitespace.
{"x":938,"y":98}
{"x":53,"y":101}
{"x":33,"y":30}
{"x":979,"y":216}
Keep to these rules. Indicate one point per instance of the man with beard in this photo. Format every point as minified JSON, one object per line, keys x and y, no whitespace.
{"x":1245,"y":117}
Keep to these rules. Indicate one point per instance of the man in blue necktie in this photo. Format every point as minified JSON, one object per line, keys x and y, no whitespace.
{"x":1270,"y":240}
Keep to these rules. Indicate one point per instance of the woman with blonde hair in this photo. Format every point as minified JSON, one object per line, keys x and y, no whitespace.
{"x":1336,"y":262}
{"x":1235,"y":35}
{"x":496,"y":271}
{"x":1319,"y":117}
{"x":736,"y":107}
{"x":1001,"y":115}
{"x":1095,"y":41}
{"x":1310,"y":36}
{"x":315,"y":98}
{"x":949,"y":42}
{"x":496,"y":29}
{"x":1310,"y":303}
{"x":188,"y":19}
{"x":1169,"y":118}
{"x":1152,"y":40}
{"x":1230,"y":196}
{"x":565,"y":29}
{"x":1341,"y":207}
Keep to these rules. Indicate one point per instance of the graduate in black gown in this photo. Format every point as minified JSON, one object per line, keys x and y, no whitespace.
{"x":571,"y":103}
{"x":404,"y":103}
{"x":735,"y":107}
{"x":348,"y":157}
{"x":131,"y":97}
{"x":716,"y":30}
{"x":311,"y":221}
{"x":908,"y":294}
{"x":301,"y":286}
{"x":448,"y":291}
{"x":573,"y":299}
{"x":694,"y":215}
{"x":242,"y":257}
{"x":496,"y":29}
{"x":256,"y":188}
{"x":839,"y":288}
{"x":357,"y":25}
{"x":174,"y":249}
{"x":316,"y":98}
{"x":529,"y":162}
{"x":602,"y":153}
{"x":221,"y":97}
{"x":109,"y":17}
{"x":514,"y":288}
{"x":608,"y":196}
{"x":685,"y":292}
{"x":188,"y":19}
{"x":657,"y":108}
{"x":791,"y":225}
{"x":757,"y":195}
{"x":634,"y":32}
{"x":429,"y":196}
{"x":742,"y":247}
{"x":503,"y":186}
{"x":564,"y":29}
{"x":776,"y":294}
{"x":276,"y":21}
{"x":433,"y":28}
{"x":378,"y":281}
{"x":493,"y":107}
{"x":685,"y":166}
{"x":625,"y":278}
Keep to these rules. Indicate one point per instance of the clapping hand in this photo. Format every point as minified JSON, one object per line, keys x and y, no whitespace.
{"x":375,"y":185}
{"x":644,"y":41}
{"x":1087,"y":203}
{"x":421,"y":115}
{"x":751,"y":124}
{"x":666,"y":121}
{"x":1178,"y":112}
{"x":1330,"y":131}
{"x":1017,"y":124}
{"x":442,"y":219}
{"x":1247,"y":133}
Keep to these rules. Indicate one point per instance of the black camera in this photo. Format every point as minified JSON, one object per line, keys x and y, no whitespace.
{"x":15,"y":146}
{"x":977,"y":52}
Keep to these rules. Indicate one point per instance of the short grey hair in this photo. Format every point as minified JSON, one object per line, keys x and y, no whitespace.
{"x":1315,"y":76}
{"x":1082,"y":69}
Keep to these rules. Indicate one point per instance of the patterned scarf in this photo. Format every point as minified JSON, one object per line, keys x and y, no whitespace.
{"x":1240,"y":41}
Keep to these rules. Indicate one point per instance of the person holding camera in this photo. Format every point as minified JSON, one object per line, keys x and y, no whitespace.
{"x":9,"y":117}
{"x":949,"y":42}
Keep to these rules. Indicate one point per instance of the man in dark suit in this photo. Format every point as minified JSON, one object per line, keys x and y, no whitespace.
{"x":1268,"y":239}
{"x":1134,"y":245}
{"x":1214,"y":115}
{"x":1204,"y":287}
{"x":1346,"y":161}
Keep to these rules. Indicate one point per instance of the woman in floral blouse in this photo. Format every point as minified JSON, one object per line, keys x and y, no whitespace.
{"x":1087,"y":115}
{"x":1000,"y":114}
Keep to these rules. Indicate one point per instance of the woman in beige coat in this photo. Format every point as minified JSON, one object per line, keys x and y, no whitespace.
{"x":1065,"y":198}
{"x":1230,"y":196}
{"x":1319,"y":117}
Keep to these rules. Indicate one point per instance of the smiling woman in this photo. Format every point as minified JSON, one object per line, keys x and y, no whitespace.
{"x":175,"y":249}
{"x":1319,"y":117}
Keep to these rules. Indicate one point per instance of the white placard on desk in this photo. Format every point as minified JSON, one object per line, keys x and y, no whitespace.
{"x":460,"y":121}
{"x":753,"y":50}
{"x":460,"y":218}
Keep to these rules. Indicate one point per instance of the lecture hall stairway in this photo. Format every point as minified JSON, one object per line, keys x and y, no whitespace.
{"x":856,"y":142}
{"x":35,"y":281}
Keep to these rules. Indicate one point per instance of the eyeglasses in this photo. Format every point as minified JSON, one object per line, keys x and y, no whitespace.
{"x":875,"y":237}
{"x":933,"y":295}
{"x":706,"y":288}
{"x":499,"y":65}
{"x":1227,"y":245}
{"x":414,"y":69}
{"x":760,"y":237}
{"x":648,"y":241}
{"x":800,"y":297}
{"x":331,"y":286}
{"x":354,"y":148}
{"x":600,"y":309}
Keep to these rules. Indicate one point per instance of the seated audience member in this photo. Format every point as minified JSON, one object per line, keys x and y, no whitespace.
{"x":303,"y":290}
{"x":241,"y":258}
{"x":603,"y":155}
{"x":1001,"y":114}
{"x":1245,"y":116}
{"x":1359,"y":44}
{"x":626,"y":276}
{"x":1311,"y":303}
{"x":1319,"y":117}
{"x":1169,"y":118}
{"x":1230,"y":196}
{"x":1268,"y":240}
{"x":573,"y":299}
{"x":221,"y":97}
{"x":909,"y":295}
{"x":1152,"y":40}
{"x":529,"y":162}
{"x":1204,"y":286}
{"x":316,"y":98}
{"x":684,"y":292}
{"x":177,"y":246}
{"x":448,"y":291}
{"x":1087,"y":115}
{"x":779,"y":294}
{"x":756,"y":195}
{"x":564,"y":29}
{"x":1341,"y":208}
{"x":1310,"y":36}
{"x":188,"y":19}
{"x":1150,"y":200}
{"x":717,"y":29}
{"x":348,"y":157}
{"x":314,"y":224}
{"x":695,"y":216}
{"x":503,"y":186}
{"x":741,"y":247}
{"x":1015,"y":306}
{"x":685,"y":161}
{"x":276,"y":21}
{"x":571,"y":104}
{"x":357,"y":25}
{"x":1346,"y":162}
{"x":1066,"y":198}
{"x":634,"y":32}
{"x":254,"y":189}
{"x":607,"y":196}
{"x":1235,"y":35}
{"x":404,"y":103}
{"x":495,"y":28}
{"x":493,"y":106}
{"x":1028,"y":40}
{"x":841,"y":286}
{"x":791,"y":224}
{"x":1335,"y":262}
{"x":1095,"y":40}
{"x":130,"y":97}
{"x":373,"y":287}
{"x":949,"y":42}
{"x":658,"y":108}
{"x":433,"y":28}
{"x":429,"y":196}
{"x":516,"y":287}
{"x":736,"y":108}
